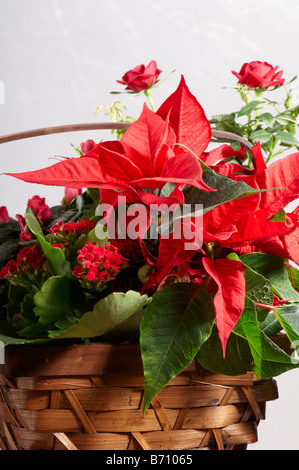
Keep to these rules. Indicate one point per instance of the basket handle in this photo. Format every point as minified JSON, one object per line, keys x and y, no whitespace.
{"x":111,"y":125}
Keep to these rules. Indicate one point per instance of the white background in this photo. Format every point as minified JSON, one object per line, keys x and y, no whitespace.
{"x":59,"y":59}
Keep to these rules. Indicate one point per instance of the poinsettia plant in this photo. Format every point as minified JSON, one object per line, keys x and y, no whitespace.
{"x":189,"y":250}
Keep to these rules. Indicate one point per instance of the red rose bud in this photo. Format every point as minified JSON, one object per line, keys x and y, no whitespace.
{"x":141,"y":77}
{"x":25,"y":234}
{"x":87,"y":146}
{"x":4,"y":217}
{"x":259,"y":74}
{"x":40,"y":208}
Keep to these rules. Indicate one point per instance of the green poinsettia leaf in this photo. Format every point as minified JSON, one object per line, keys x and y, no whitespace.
{"x":273,"y":268}
{"x":270,"y":325}
{"x":238,"y":358}
{"x":288,"y":317}
{"x":269,"y":359}
{"x":107,"y":314}
{"x":258,"y":288}
{"x":227,"y":191}
{"x":173,"y":328}
{"x":293,"y":274}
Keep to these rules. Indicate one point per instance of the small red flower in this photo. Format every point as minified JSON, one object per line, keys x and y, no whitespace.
{"x":40,"y":208}
{"x":98,"y":263}
{"x":87,"y":146}
{"x":259,"y":74}
{"x":28,"y":260}
{"x":4,"y":217}
{"x":25,"y":234}
{"x":141,"y":77}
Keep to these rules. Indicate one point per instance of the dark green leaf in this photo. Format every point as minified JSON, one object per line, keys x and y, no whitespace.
{"x":53,"y":300}
{"x":227,"y":190}
{"x":293,"y":276}
{"x":269,"y":359}
{"x":280,"y":216}
{"x":238,"y":359}
{"x":173,"y":328}
{"x":272,"y":267}
{"x":270,"y":325}
{"x":8,"y":250}
{"x":288,"y":316}
{"x":7,"y":340}
{"x":107,"y":314}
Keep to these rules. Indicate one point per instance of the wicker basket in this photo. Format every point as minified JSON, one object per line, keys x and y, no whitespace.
{"x":89,"y":397}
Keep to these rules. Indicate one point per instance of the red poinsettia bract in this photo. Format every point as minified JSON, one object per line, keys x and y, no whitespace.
{"x":145,"y":159}
{"x":164,"y":147}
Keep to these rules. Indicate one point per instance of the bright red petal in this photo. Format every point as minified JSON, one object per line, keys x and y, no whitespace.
{"x":117,"y":166}
{"x":218,"y":154}
{"x":230,"y":297}
{"x":285,"y":245}
{"x":255,"y":228}
{"x":283,"y":175}
{"x":187,"y":119}
{"x":80,"y":172}
{"x":142,"y":140}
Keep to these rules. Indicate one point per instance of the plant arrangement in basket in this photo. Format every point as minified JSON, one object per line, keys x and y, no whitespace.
{"x":189,"y":250}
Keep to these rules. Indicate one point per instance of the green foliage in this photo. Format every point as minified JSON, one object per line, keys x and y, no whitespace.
{"x":263,"y":120}
{"x":106,"y":315}
{"x":174,"y":326}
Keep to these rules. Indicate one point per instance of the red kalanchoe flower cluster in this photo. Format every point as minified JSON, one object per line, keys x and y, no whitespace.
{"x":98,"y":264}
{"x":82,"y":226}
{"x":70,"y":231}
{"x":22,"y":269}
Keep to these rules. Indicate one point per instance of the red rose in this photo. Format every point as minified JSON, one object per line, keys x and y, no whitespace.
{"x":40,"y":208}
{"x":140,"y":77}
{"x":4,"y":217}
{"x":87,"y":146}
{"x":259,"y":74}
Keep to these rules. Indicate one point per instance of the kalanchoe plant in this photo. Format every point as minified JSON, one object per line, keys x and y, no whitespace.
{"x":194,"y":246}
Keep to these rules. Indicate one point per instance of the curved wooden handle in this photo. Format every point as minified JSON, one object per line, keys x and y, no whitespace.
{"x":110,"y":125}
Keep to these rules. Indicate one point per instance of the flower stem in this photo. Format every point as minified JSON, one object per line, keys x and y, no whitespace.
{"x":148,"y":94}
{"x":258,"y":94}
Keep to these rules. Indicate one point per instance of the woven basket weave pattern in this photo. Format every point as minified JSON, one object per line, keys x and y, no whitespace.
{"x":197,"y":410}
